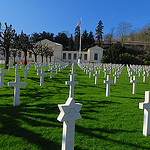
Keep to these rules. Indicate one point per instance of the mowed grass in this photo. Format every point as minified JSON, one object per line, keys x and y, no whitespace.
{"x":108,"y":123}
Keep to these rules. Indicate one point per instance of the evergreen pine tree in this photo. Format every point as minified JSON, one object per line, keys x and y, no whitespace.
{"x":99,"y":32}
{"x":91,"y":41}
{"x":77,"y":38}
{"x":85,"y":40}
{"x":71,"y":43}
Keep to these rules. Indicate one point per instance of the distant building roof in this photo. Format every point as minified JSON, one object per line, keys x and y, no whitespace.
{"x":46,"y":41}
{"x":126,"y":42}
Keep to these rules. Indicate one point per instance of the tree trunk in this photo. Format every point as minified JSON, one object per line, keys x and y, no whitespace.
{"x":6,"y":57}
{"x":35,"y":58}
{"x":46,"y":59}
{"x":42,"y":58}
{"x":14,"y":60}
{"x":25,"y":58}
{"x":50,"y":58}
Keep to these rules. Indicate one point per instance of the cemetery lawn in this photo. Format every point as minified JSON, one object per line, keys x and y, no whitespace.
{"x":108,"y":123}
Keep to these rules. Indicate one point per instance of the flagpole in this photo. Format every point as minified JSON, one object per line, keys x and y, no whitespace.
{"x":79,"y":58}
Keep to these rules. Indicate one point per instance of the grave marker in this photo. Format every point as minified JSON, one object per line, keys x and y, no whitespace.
{"x":42,"y":77}
{"x":9,"y":65}
{"x":108,"y":82}
{"x":71,"y":83}
{"x":144,"y":76}
{"x":26,"y":70}
{"x":69,"y":112}
{"x":2,"y":74}
{"x":16,"y":68}
{"x":51,"y":74}
{"x":134,"y":81}
{"x":115,"y":77}
{"x":16,"y":85}
{"x":146,"y":107}
{"x":96,"y":77}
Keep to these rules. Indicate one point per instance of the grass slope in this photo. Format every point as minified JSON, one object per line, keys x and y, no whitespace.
{"x":113,"y":122}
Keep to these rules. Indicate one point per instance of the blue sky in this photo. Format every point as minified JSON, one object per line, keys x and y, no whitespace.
{"x":62,"y":15}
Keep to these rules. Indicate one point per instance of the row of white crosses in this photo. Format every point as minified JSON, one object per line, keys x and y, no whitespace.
{"x":138,"y":69}
{"x":52,"y":66}
{"x":69,"y":112}
{"x":118,"y":69}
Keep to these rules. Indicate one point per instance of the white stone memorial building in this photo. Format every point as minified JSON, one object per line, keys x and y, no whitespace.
{"x":94,"y":54}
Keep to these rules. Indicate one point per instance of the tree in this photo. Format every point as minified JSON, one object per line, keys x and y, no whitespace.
{"x":123,"y":30}
{"x":62,"y":39}
{"x":6,"y":41}
{"x":41,"y":51}
{"x":48,"y":51}
{"x":99,"y":32}
{"x":35,"y":50}
{"x":77,"y":38}
{"x":35,"y":37}
{"x":114,"y":53}
{"x":71,"y":43}
{"x":24,"y":45}
{"x":46,"y":35}
{"x":91,"y":41}
{"x":85,"y":40}
{"x":15,"y":47}
{"x":109,"y":36}
{"x":127,"y":58}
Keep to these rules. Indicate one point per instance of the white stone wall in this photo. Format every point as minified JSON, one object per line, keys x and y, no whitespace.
{"x":72,"y":56}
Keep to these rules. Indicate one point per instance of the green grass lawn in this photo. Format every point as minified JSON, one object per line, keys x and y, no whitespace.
{"x":108,"y":123}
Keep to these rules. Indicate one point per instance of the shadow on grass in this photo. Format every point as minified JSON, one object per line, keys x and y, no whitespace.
{"x":89,"y":132}
{"x":10,"y":119}
{"x":127,"y":97}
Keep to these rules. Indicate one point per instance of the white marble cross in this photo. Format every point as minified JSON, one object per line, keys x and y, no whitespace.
{"x":105,"y":72}
{"x":45,"y":66}
{"x":2,"y":74}
{"x":69,"y":112}
{"x":38,"y":68}
{"x":110,"y":70}
{"x":51,"y":74}
{"x":139,"y":71}
{"x":144,"y":76}
{"x":16,"y":85}
{"x":131,"y":76}
{"x":115,"y":77}
{"x":148,"y":72}
{"x":42,"y":77}
{"x":56,"y":67}
{"x":26,"y":70}
{"x":9,"y":65}
{"x":16,"y":68}
{"x":35,"y":65}
{"x":99,"y":71}
{"x":90,"y":72}
{"x":59,"y":67}
{"x":108,"y":81}
{"x":21,"y":65}
{"x":134,"y":81}
{"x":87,"y":69}
{"x":71,"y":83}
{"x":146,"y":107}
{"x":96,"y":77}
{"x":29,"y":65}
{"x":72,"y":69}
